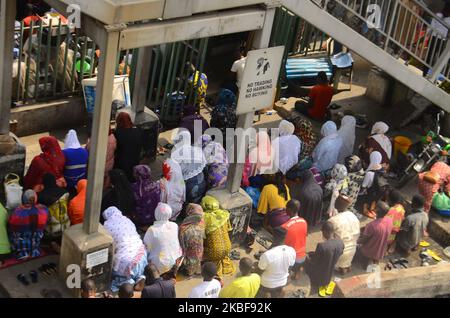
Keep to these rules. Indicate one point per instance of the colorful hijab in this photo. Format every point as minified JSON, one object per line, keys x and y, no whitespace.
{"x":213,"y":151}
{"x":304,"y":131}
{"x":194,"y":216}
{"x":127,"y":242}
{"x":71,"y":141}
{"x":354,"y":164}
{"x":173,"y":188}
{"x":348,"y":135}
{"x":215,"y":218}
{"x":190,"y":158}
{"x":379,"y":130}
{"x":146,"y":193}
{"x":77,"y":204}
{"x":124,"y":121}
{"x":51,"y":160}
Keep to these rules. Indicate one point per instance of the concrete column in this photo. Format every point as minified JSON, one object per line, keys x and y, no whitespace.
{"x":7,"y":18}
{"x":141,"y":79}
{"x":100,"y":127}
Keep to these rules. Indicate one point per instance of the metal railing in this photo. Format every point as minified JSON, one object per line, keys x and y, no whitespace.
{"x":405,"y":29}
{"x":51,"y":61}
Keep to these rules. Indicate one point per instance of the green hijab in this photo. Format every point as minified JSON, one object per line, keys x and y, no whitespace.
{"x":215,"y":218}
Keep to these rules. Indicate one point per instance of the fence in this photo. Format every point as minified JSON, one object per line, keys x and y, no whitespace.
{"x":52,"y":60}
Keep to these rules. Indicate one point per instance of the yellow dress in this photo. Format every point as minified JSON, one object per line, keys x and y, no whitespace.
{"x":270,"y":199}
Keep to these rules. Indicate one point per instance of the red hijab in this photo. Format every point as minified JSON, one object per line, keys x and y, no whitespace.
{"x":123,"y":120}
{"x":51,"y":160}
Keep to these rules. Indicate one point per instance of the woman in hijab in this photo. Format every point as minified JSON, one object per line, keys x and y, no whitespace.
{"x":55,"y":199}
{"x":355,"y":178}
{"x":259,"y":160}
{"x":147,"y":195}
{"x":119,"y":194}
{"x":192,"y":163}
{"x":130,"y":256}
{"x":286,"y":148}
{"x":223,"y":115}
{"x":273,"y":200}
{"x":326,"y":153}
{"x":51,"y":160}
{"x":337,"y":185}
{"x":304,"y":131}
{"x":172,"y":187}
{"x":190,"y":117}
{"x":110,"y":153}
{"x":377,"y":141}
{"x":192,"y":235}
{"x":217,"y":243}
{"x":76,"y":160}
{"x":77,"y":204}
{"x":371,"y":187}
{"x":348,"y":135}
{"x":347,"y":228}
{"x":310,"y":195}
{"x":129,"y":145}
{"x":161,"y":240}
{"x":216,"y":160}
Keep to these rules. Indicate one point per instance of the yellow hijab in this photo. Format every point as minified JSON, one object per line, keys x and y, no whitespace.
{"x":215,"y":218}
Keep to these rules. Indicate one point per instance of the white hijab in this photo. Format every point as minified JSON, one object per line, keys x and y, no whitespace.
{"x":378,"y":133}
{"x":347,"y":133}
{"x":286,"y":148}
{"x":127,"y":242}
{"x":173,"y":191}
{"x":326,"y":153}
{"x":375,"y":164}
{"x":71,"y":141}
{"x":190,"y":158}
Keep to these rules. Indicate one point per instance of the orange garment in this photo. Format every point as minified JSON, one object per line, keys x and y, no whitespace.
{"x":321,"y":96}
{"x":76,"y":205}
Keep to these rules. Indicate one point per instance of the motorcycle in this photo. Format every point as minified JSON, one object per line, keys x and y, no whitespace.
{"x":421,"y":156}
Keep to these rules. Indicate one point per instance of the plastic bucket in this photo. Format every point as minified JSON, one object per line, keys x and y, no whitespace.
{"x":401,"y":144}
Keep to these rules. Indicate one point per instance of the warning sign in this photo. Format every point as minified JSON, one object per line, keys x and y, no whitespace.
{"x":260,"y":79}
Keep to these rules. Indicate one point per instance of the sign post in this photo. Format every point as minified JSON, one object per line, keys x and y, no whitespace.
{"x":258,"y":90}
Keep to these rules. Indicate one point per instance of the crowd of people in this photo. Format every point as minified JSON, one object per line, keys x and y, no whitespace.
{"x":162,"y":227}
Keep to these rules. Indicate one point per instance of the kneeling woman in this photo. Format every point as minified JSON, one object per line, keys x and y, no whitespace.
{"x":217,"y":244}
{"x":130,"y":256}
{"x":272,"y":202}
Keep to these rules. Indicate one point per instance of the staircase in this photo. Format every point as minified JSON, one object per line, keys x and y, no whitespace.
{"x":389,"y":34}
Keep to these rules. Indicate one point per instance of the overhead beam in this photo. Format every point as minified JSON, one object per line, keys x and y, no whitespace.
{"x":194,"y":27}
{"x":342,"y":33}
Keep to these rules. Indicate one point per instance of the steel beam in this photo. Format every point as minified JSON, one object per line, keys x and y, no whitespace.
{"x":7,"y":17}
{"x":200,"y":26}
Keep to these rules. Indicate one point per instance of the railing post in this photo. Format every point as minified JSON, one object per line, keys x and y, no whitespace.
{"x":440,"y":63}
{"x":391,"y":25}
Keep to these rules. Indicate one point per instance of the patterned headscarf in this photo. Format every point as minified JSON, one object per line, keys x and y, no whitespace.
{"x":226,"y":98}
{"x":353,"y":164}
{"x":215,"y":218}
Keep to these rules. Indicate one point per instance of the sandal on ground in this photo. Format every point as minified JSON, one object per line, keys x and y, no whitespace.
{"x":235,"y":255}
{"x":21,"y":278}
{"x":424,"y":244}
{"x":34,"y":276}
{"x":323,"y":291}
{"x":330,"y":288}
{"x":45,"y":269}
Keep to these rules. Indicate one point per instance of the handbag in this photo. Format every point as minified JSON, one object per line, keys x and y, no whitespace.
{"x":342,"y":202}
{"x":13,"y":191}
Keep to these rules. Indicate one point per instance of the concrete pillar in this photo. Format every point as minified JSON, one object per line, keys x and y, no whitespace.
{"x":233,"y":198}
{"x":100,"y":128}
{"x":89,"y":247}
{"x":141,"y":79}
{"x":7,"y":18}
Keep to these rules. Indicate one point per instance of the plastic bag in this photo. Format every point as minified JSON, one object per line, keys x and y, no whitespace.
{"x":441,"y":202}
{"x":13,"y":191}
{"x":254,"y":195}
